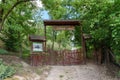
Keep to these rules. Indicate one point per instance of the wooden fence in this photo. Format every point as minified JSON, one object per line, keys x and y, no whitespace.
{"x":63,"y":57}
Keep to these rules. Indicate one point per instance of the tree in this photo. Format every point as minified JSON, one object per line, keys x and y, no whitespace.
{"x":6,"y":9}
{"x":101,"y":20}
{"x":18,"y":25}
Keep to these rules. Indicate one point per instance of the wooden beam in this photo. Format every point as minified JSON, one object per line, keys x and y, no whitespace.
{"x":63,"y":27}
{"x":61,"y":22}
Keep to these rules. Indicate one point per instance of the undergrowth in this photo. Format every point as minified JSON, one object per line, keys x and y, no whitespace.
{"x":5,"y":71}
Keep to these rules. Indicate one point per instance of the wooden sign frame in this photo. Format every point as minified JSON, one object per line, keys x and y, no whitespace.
{"x":63,"y":27}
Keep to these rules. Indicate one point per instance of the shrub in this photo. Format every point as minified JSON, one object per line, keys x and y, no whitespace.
{"x":118,"y":59}
{"x":5,"y":71}
{"x":3,"y":51}
{"x":11,"y":39}
{"x":119,"y":74}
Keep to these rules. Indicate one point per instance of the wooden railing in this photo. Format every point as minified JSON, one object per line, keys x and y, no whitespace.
{"x":111,"y":58}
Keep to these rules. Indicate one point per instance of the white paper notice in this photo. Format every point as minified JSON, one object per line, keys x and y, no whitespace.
{"x":37,"y":47}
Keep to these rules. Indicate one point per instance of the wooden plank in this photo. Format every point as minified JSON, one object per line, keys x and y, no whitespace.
{"x":63,"y":27}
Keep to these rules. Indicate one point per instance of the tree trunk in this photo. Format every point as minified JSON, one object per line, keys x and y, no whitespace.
{"x":20,"y":55}
{"x":20,"y":45}
{"x":99,"y":55}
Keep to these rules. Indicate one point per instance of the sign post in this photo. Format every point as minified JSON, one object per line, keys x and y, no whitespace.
{"x":37,"y":48}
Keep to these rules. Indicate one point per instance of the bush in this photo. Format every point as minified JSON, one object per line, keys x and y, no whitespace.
{"x":118,"y":59}
{"x":119,"y":74}
{"x":11,"y":39}
{"x":3,"y":51}
{"x":5,"y":71}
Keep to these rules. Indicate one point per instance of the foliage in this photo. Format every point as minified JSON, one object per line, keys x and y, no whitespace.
{"x":63,"y":11}
{"x":119,"y":74}
{"x":3,"y":51}
{"x":62,"y":39}
{"x":58,"y":39}
{"x":5,"y":71}
{"x":100,"y":18}
{"x":18,"y":25}
{"x":56,"y":11}
{"x":26,"y":54}
{"x":11,"y":41}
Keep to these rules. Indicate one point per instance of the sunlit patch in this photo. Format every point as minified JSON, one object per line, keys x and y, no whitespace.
{"x":38,"y":3}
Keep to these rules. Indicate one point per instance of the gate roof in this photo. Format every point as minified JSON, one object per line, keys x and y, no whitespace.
{"x":61,"y":22}
{"x":37,"y":38}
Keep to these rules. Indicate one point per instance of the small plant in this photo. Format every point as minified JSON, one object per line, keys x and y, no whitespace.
{"x":118,"y":59}
{"x":5,"y":71}
{"x":3,"y":51}
{"x":119,"y":74}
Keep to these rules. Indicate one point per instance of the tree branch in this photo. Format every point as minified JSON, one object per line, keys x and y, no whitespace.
{"x":10,"y":10}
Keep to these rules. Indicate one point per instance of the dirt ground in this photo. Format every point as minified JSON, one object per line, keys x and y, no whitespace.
{"x":81,"y":72}
{"x":89,"y":71}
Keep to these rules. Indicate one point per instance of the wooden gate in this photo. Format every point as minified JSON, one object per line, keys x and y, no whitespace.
{"x":63,"y":57}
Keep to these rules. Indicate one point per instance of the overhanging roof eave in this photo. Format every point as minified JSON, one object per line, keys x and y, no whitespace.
{"x":61,"y":22}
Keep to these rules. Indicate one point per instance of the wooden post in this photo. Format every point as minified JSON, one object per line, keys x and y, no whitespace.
{"x":45,"y":37}
{"x":83,"y":47}
{"x":37,"y":49}
{"x":84,"y":52}
{"x":108,"y":59}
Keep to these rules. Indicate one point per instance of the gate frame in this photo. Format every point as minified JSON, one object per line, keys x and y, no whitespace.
{"x":66,"y":23}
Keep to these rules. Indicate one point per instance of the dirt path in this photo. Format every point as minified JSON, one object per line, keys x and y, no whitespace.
{"x":81,"y":72}
{"x":24,"y":71}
